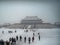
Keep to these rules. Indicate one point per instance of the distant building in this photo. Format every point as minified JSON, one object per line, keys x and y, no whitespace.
{"x":6,"y":24}
{"x":31,"y":20}
{"x":57,"y":24}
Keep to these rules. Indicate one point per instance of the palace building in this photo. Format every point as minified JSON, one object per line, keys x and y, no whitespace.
{"x":31,"y":20}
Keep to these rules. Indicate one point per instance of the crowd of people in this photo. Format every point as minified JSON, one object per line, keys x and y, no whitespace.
{"x":12,"y":41}
{"x":25,"y":39}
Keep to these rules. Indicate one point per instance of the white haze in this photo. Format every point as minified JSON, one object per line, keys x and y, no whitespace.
{"x":14,"y":11}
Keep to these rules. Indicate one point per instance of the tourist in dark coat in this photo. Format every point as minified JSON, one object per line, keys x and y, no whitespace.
{"x":7,"y":43}
{"x":1,"y":42}
{"x":15,"y":31}
{"x":38,"y":33}
{"x":25,"y":39}
{"x":20,"y":38}
{"x":33,"y":39}
{"x":17,"y":37}
{"x":39,"y":36}
{"x":29,"y":39}
{"x":10,"y":39}
{"x":33,"y":34}
{"x":14,"y":41}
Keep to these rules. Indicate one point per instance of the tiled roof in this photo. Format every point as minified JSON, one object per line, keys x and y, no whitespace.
{"x":31,"y":18}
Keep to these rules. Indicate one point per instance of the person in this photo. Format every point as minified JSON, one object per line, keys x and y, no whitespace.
{"x":17,"y":37}
{"x":7,"y":43}
{"x":29,"y":39}
{"x":10,"y":39}
{"x":33,"y":34}
{"x":1,"y":42}
{"x":26,"y":30}
{"x":38,"y":33}
{"x":15,"y":31}
{"x":14,"y":41}
{"x":33,"y":39}
{"x":20,"y":38}
{"x":39,"y":36}
{"x":24,"y":39}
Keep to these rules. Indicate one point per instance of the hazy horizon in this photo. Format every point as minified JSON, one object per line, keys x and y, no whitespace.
{"x":15,"y":11}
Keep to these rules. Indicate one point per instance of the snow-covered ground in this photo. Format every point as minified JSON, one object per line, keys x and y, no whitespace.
{"x":48,"y":36}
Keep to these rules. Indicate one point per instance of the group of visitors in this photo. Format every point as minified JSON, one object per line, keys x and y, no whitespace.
{"x":8,"y":32}
{"x":4,"y":42}
{"x":25,"y":39}
{"x":29,"y":38}
{"x":12,"y":41}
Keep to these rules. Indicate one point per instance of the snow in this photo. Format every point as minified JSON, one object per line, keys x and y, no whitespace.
{"x":48,"y":36}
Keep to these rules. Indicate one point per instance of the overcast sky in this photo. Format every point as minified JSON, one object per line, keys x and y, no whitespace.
{"x":14,"y":11}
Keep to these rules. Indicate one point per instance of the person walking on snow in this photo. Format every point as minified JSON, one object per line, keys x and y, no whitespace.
{"x":20,"y":38}
{"x":29,"y":39}
{"x":17,"y":37}
{"x":33,"y":39}
{"x":39,"y":36}
{"x":25,"y":39}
